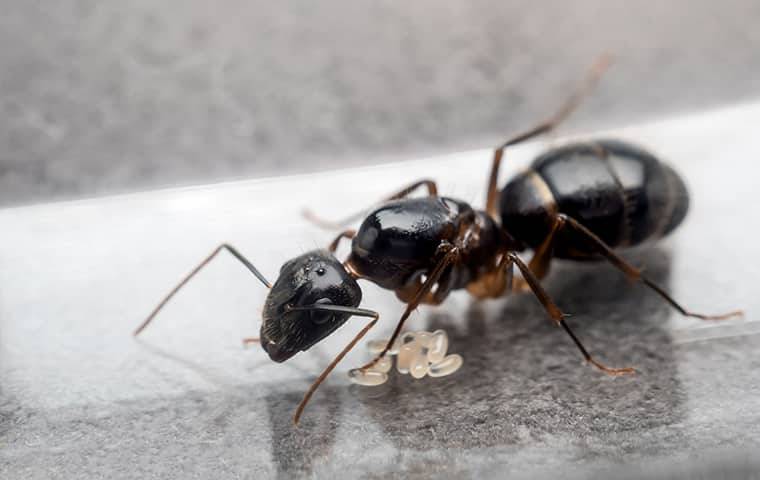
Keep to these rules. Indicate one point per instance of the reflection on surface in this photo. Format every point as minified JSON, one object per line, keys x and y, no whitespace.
{"x":522,"y":378}
{"x":295,"y":449}
{"x":523,"y":402}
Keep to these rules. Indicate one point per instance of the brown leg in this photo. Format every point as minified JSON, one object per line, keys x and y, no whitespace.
{"x":326,"y":224}
{"x":494,"y":284}
{"x":435,"y":275}
{"x":632,"y":272}
{"x":348,"y":234}
{"x":542,"y":257}
{"x":544,"y":127}
{"x":198,"y":268}
{"x":559,"y":318}
{"x":407,"y":293}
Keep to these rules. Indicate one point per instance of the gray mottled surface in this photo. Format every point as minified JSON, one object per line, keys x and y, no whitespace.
{"x":80,"y":398}
{"x":111,"y":96}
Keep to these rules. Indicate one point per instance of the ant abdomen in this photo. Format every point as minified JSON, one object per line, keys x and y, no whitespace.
{"x":620,"y":192}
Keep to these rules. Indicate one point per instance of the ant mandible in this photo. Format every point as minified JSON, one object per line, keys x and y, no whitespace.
{"x":424,"y":248}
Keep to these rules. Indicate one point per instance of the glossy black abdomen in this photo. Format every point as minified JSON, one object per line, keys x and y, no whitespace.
{"x":401,"y":239}
{"x":620,"y":192}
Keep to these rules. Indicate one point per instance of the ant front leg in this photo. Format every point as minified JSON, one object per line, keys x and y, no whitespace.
{"x":449,"y":258}
{"x":544,"y":127}
{"x":432,"y":190}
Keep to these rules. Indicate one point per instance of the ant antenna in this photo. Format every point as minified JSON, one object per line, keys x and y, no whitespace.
{"x":359,"y":312}
{"x":192,"y":273}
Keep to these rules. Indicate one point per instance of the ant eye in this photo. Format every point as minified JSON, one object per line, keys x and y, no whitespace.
{"x":319,"y":317}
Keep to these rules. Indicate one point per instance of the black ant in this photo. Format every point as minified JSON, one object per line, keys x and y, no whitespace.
{"x":576,"y":202}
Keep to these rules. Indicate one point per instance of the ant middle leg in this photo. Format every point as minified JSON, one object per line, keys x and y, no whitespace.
{"x":559,"y":317}
{"x":546,"y":126}
{"x":430,"y":185}
{"x":633,"y":273}
{"x":541,"y":261}
{"x":443,"y":288}
{"x":493,"y":284}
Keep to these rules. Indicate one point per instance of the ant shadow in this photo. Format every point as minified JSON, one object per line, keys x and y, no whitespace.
{"x":295,"y":449}
{"x":522,"y":378}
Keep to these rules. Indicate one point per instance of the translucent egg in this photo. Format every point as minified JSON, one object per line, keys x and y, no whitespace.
{"x":376,"y":346}
{"x":419,"y":365}
{"x":423,"y":338}
{"x":368,"y":378}
{"x":418,"y":354}
{"x":439,"y":345}
{"x":447,"y":366}
{"x":405,"y":355}
{"x":383,"y":365}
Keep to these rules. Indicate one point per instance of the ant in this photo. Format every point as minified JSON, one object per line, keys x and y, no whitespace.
{"x":576,"y":202}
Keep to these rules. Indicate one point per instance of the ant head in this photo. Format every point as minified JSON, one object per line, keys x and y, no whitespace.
{"x":314,"y":278}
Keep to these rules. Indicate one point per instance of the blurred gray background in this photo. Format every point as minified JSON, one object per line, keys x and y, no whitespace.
{"x":100,"y":97}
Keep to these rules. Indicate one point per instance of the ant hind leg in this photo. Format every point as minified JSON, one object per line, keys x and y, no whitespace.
{"x":630,"y":271}
{"x":546,"y":126}
{"x":559,"y":317}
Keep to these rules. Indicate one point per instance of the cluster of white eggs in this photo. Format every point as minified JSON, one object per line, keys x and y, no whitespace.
{"x":417,"y":354}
